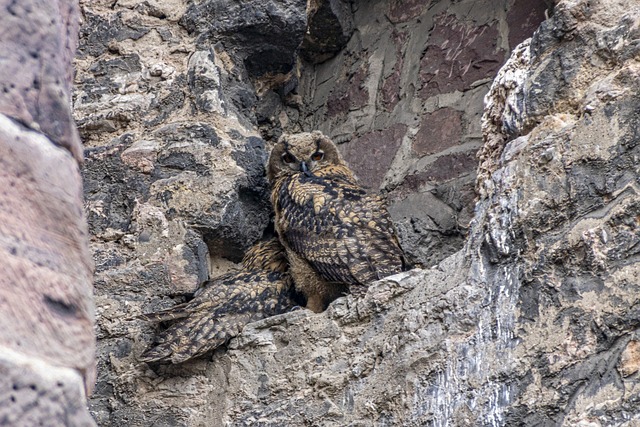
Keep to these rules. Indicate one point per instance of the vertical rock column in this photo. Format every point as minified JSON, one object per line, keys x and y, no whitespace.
{"x":46,"y":310}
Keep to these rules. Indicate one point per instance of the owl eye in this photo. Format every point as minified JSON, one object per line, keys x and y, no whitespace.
{"x":317,"y":156}
{"x":288,"y":158}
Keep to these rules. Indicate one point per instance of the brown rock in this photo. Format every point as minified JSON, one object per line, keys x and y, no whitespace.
{"x":391,"y":86}
{"x":406,"y":10}
{"x":450,"y":166}
{"x":371,"y":154}
{"x":630,"y":359}
{"x":438,"y":131}
{"x":523,"y":18}
{"x":457,"y":55}
{"x":350,"y":94}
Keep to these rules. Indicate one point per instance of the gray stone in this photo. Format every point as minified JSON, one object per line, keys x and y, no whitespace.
{"x":330,"y":25}
{"x":204,"y":82}
{"x":532,"y":322}
{"x":427,"y":236}
{"x":98,"y":34}
{"x":264,"y":35}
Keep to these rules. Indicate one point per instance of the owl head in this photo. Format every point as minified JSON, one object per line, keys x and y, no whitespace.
{"x":302,"y":153}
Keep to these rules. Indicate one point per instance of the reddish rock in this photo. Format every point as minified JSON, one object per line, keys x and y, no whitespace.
{"x":349,"y":95}
{"x":405,"y":10}
{"x":370,"y":155}
{"x":457,"y":55}
{"x":523,"y":18}
{"x":438,"y":131}
{"x":450,"y":166}
{"x":390,"y":92}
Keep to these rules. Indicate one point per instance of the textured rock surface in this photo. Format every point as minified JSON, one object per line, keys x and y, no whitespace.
{"x":33,"y":392}
{"x":532,"y":322}
{"x":174,"y":185}
{"x":47,"y":343}
{"x":263,"y":35}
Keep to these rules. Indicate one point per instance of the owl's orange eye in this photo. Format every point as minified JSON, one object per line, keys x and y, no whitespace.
{"x":288,"y":158}
{"x":317,"y":156}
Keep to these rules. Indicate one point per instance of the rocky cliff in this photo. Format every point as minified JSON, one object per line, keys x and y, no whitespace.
{"x":526,"y":313}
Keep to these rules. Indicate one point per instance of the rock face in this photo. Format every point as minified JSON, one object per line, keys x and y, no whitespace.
{"x":528,"y":317}
{"x":47,"y":344}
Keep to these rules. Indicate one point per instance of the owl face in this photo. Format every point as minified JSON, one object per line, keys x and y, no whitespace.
{"x":301,"y":153}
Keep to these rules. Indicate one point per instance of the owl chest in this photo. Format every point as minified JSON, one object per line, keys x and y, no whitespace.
{"x":307,"y":206}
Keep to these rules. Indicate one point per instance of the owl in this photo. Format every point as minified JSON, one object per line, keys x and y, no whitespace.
{"x":221,"y":307}
{"x":337,"y":236}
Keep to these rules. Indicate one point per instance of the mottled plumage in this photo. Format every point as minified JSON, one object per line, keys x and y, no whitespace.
{"x":335,"y":233}
{"x":221,"y":307}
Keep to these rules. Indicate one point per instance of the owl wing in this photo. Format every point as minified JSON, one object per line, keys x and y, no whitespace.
{"x":344,"y":233}
{"x":218,"y":313}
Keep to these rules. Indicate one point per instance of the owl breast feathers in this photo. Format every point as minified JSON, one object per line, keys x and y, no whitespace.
{"x":336,"y":235}
{"x":221,"y":307}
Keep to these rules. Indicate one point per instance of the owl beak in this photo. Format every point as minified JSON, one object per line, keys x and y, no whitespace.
{"x":304,"y":169}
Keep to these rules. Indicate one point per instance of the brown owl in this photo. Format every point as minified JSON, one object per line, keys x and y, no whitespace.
{"x":221,"y":307}
{"x":336,"y":235}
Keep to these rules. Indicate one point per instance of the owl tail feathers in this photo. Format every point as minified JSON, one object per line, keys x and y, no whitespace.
{"x":194,"y":336}
{"x":159,"y":353}
{"x":177,"y":348}
{"x":178,"y":312}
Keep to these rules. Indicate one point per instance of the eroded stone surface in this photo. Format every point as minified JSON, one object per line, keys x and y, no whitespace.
{"x":263,"y":34}
{"x":329,"y":28}
{"x":33,"y":392}
{"x":534,"y":322}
